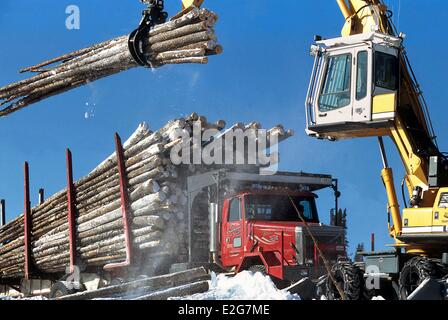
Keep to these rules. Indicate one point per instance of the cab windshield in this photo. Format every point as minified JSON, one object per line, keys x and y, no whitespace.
{"x":280,"y":208}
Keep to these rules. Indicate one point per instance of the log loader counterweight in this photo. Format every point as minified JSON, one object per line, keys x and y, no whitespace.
{"x":362,"y":85}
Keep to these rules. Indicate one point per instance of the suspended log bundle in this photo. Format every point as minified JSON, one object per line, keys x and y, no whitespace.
{"x":156,"y":189}
{"x":188,"y":38}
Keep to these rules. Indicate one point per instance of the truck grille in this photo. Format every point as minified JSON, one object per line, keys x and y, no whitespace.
{"x":329,"y":238}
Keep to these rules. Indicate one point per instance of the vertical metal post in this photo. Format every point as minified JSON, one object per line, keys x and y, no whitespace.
{"x":383,"y":153}
{"x":71,"y":210}
{"x":336,"y":195}
{"x":41,"y":196}
{"x":27,"y":222}
{"x":372,"y":242}
{"x":125,"y":207}
{"x":2,"y":212}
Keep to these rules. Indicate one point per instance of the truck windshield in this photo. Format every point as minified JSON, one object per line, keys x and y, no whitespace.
{"x":280,"y":208}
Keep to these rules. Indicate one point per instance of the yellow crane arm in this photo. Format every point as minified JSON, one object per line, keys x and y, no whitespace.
{"x":411,"y":131}
{"x":188,"y":3}
{"x":366,"y":16}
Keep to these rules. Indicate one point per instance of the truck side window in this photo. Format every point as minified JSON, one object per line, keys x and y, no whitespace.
{"x":235,"y":210}
{"x":443,"y":203}
{"x":307,"y":209}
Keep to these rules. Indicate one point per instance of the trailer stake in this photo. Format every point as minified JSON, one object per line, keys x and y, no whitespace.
{"x":125,"y":208}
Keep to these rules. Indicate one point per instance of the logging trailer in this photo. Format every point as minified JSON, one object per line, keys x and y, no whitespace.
{"x":249,"y":222}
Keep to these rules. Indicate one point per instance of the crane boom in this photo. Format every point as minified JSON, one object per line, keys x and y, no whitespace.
{"x":412,"y":132}
{"x":363,"y":86}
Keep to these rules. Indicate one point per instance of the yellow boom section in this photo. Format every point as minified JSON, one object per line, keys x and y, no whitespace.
{"x":188,"y":3}
{"x":366,"y":16}
{"x":362,"y":16}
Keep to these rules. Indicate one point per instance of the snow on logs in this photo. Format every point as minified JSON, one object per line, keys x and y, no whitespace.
{"x":189,"y":38}
{"x":157,"y":205}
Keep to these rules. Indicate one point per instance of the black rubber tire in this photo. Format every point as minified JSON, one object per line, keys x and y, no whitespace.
{"x":258,"y":268}
{"x":59,"y":289}
{"x":350,"y":279}
{"x":414,"y":271}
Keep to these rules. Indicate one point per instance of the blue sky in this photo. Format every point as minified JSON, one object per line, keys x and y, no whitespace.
{"x":262,"y":75}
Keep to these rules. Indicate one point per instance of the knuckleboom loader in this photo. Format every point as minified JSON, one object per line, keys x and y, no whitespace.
{"x":362,"y":85}
{"x":251,"y":222}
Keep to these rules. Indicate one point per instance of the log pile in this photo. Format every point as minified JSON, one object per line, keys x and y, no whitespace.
{"x":157,"y":197}
{"x":189,"y":38}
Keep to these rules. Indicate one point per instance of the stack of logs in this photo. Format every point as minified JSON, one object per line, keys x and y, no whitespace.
{"x":189,"y":38}
{"x":157,"y":206}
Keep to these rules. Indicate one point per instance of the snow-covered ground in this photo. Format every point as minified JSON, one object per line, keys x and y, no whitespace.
{"x":30,"y":298}
{"x":244,"y":286}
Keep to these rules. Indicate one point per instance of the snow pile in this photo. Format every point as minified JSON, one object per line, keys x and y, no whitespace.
{"x":244,"y":286}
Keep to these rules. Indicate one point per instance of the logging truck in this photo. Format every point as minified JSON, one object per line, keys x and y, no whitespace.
{"x":237,"y":220}
{"x":261,"y":223}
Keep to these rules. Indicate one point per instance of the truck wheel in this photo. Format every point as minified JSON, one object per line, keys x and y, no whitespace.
{"x":413,"y":273}
{"x":59,"y":289}
{"x":258,"y":268}
{"x":349,"y":278}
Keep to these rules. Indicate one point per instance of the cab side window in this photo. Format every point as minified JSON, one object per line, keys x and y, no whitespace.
{"x":336,"y":89}
{"x":361,"y":77}
{"x":443,"y":203}
{"x":386,"y":71}
{"x":235,"y":210}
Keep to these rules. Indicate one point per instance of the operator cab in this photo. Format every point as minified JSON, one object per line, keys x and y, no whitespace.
{"x":353,"y":90}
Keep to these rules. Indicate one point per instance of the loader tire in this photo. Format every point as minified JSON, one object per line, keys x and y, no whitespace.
{"x":413,"y":273}
{"x":349,"y":278}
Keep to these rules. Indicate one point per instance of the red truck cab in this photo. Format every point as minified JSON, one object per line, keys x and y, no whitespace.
{"x":262,"y":228}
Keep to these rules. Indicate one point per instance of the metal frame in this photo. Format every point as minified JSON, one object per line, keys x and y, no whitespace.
{"x":41,"y":196}
{"x":71,"y":211}
{"x":2,"y":212}
{"x":125,"y":207}
{"x":27,"y":222}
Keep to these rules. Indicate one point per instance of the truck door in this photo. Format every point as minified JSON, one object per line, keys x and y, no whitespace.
{"x":232,"y":235}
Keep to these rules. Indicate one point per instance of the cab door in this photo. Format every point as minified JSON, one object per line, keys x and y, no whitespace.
{"x":334,"y":104}
{"x":232,"y":235}
{"x":362,"y":85}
